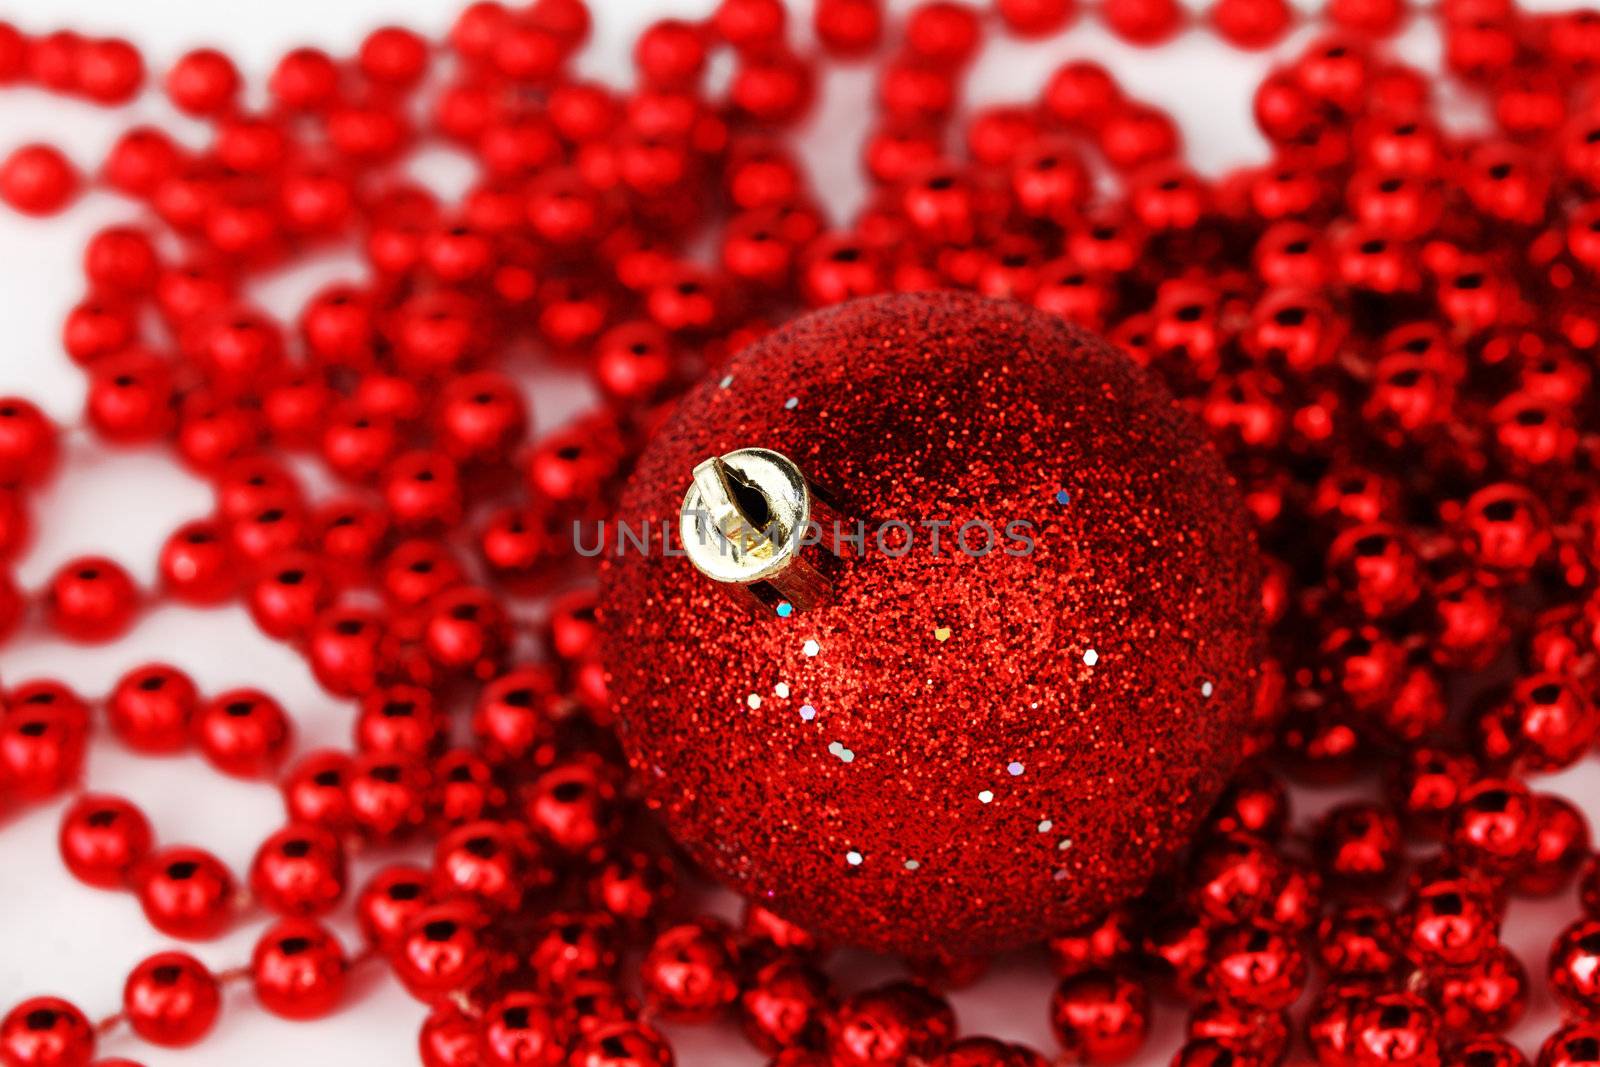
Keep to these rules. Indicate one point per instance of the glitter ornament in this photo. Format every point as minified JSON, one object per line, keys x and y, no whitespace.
{"x":1010,"y":731}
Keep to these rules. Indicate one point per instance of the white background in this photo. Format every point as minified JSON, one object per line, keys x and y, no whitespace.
{"x":57,"y":936}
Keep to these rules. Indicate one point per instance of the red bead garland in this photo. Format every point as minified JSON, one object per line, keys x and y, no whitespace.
{"x":1386,"y":327}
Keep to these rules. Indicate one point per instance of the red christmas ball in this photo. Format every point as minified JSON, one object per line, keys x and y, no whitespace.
{"x":1010,"y":703}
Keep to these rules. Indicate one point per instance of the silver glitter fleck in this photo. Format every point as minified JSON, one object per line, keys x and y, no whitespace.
{"x":1014,"y":768}
{"x":985,"y":796}
{"x":811,"y":648}
{"x":727,"y":380}
{"x":1091,"y":657}
{"x":844,"y":754}
{"x":782,"y":689}
{"x":753,"y":700}
{"x":1206,"y":689}
{"x":1064,"y":844}
{"x":853,"y":858}
{"x":912,"y":865}
{"x":807,"y":712}
{"x":792,"y":403}
{"x":1045,"y":826}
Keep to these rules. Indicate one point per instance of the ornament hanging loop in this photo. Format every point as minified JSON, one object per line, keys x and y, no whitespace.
{"x":749,"y":522}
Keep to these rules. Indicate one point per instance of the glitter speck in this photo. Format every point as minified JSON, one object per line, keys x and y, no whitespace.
{"x":811,"y":648}
{"x":727,"y":380}
{"x":782,"y":689}
{"x":912,"y":865}
{"x":807,"y":712}
{"x":1064,"y":844}
{"x":985,"y":796}
{"x":942,"y":633}
{"x":792,"y":403}
{"x":1060,"y":875}
{"x":1014,"y":768}
{"x":753,"y":700}
{"x":1091,"y":657}
{"x":1063,"y":497}
{"x":844,"y":754}
{"x":1206,"y":689}
{"x":1045,"y":826}
{"x":785,"y":609}
{"x":853,"y":858}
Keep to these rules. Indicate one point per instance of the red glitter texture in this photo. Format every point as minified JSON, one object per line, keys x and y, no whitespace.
{"x":962,"y":791}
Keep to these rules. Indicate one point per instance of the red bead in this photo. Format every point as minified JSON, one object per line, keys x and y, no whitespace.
{"x":103,"y":839}
{"x":46,"y":1032}
{"x":298,"y":970}
{"x":91,"y":599}
{"x":449,"y":1038}
{"x":393,"y":56}
{"x":131,"y":398}
{"x":186,"y":893}
{"x":1574,"y":970}
{"x":1035,"y":18}
{"x":1490,"y":996}
{"x":1495,"y":825}
{"x":386,"y":796}
{"x":568,"y":948}
{"x":349,"y":649}
{"x":892,"y":1023}
{"x":635,"y":887}
{"x":171,"y":999}
{"x":1258,"y":967}
{"x":388,"y":902}
{"x":441,"y":950}
{"x":514,"y":717}
{"x":747,"y":24}
{"x":1359,"y":845}
{"x":1561,"y":846}
{"x":625,"y":1043}
{"x":42,"y":740}
{"x":299,"y":872}
{"x":1251,"y":23}
{"x":399,"y":719}
{"x":1359,"y":939}
{"x":196,"y":565}
{"x":1393,"y":1029}
{"x":670,"y":53}
{"x":203,"y":82}
{"x":305,"y":79}
{"x":1487,"y":1052}
{"x":37,"y":179}
{"x":140,"y":160}
{"x":289,"y":597}
{"x":1100,"y":1016}
{"x":943,"y":31}
{"x":464,"y":789}
{"x":485,"y":861}
{"x":785,"y":1006}
{"x":1143,"y":22}
{"x":28,"y":445}
{"x":849,"y":28}
{"x":689,"y":971}
{"x":573,"y":806}
{"x":1449,"y":923}
{"x":1574,"y":1045}
{"x":243,"y":732}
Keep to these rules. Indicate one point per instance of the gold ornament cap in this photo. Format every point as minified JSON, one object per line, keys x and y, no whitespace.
{"x":747,"y":520}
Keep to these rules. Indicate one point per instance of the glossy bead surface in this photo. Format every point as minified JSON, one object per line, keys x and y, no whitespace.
{"x":46,"y":1032}
{"x":171,"y":999}
{"x":298,"y":970}
{"x":103,"y":839}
